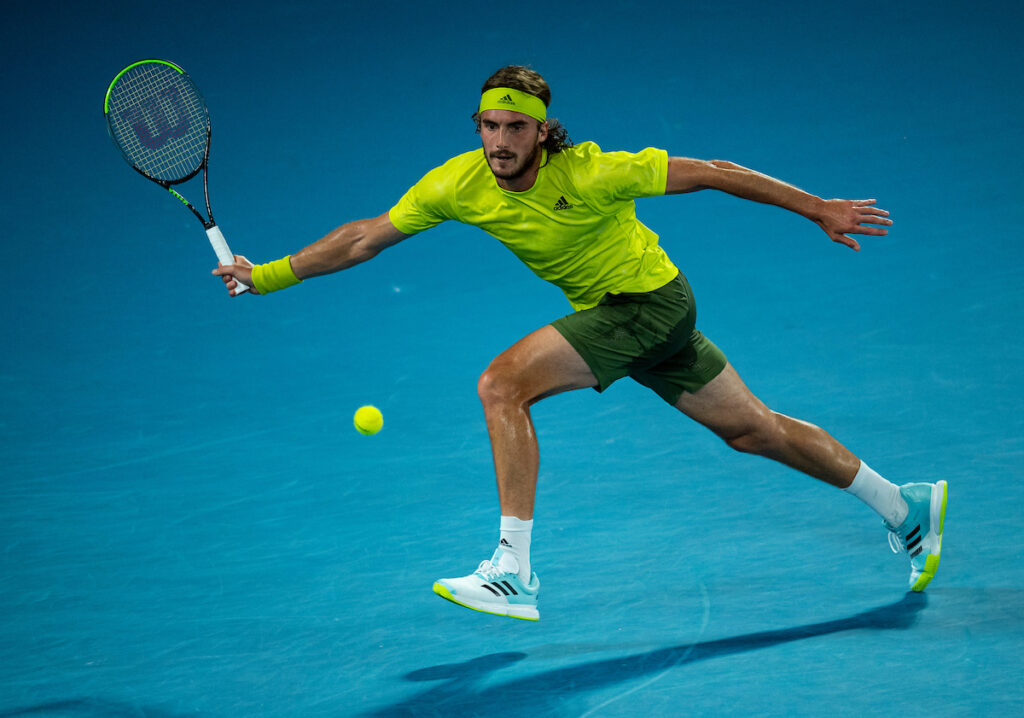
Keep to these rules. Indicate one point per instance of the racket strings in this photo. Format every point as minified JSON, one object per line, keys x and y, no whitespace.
{"x":159,"y":121}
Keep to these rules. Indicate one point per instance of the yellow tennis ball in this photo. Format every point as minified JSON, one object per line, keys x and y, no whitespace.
{"x":368,"y":420}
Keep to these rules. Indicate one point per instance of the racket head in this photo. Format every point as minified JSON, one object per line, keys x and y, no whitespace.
{"x":158,"y":120}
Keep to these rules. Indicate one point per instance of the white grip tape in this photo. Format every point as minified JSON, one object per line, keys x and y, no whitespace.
{"x":224,"y":255}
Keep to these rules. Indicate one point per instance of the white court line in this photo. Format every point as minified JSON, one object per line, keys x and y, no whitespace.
{"x":678,"y":661}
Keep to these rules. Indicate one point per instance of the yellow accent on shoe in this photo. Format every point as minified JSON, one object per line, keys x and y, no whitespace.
{"x":942,"y":516}
{"x":444,"y":593}
{"x":931,"y":564}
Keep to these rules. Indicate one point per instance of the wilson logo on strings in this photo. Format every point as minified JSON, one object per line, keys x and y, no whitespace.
{"x":152,"y":123}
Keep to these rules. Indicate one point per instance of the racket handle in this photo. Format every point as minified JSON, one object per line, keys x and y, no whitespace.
{"x":220,"y":246}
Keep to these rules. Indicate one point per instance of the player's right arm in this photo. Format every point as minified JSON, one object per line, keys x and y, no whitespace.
{"x":348,"y":245}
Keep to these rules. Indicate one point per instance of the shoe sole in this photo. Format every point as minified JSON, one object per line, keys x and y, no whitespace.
{"x":525,"y":613}
{"x":937,"y":516}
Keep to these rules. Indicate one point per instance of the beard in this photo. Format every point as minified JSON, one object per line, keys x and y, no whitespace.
{"x":518,"y":169}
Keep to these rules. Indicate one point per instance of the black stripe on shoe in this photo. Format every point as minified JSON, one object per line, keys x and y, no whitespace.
{"x":487,"y":586}
{"x":919,"y":550}
{"x":500,"y":588}
{"x":510,"y":588}
{"x":910,"y":536}
{"x":913,"y":543}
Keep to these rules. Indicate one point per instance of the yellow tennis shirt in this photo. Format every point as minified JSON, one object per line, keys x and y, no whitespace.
{"x":576,"y":227}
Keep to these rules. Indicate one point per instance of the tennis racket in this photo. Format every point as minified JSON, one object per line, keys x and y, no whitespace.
{"x":159,"y":121}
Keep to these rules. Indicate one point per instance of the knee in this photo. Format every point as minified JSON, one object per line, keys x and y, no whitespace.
{"x":762,"y":438}
{"x":497,"y":386}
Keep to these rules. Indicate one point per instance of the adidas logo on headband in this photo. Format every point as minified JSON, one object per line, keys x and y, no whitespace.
{"x":506,"y":100}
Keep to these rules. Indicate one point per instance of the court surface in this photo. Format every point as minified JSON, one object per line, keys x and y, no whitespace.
{"x":190,"y":526}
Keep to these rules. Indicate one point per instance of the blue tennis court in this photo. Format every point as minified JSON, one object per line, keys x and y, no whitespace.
{"x":190,"y":525}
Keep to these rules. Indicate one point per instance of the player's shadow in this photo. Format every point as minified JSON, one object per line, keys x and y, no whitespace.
{"x":88,"y":708}
{"x":462,"y":693}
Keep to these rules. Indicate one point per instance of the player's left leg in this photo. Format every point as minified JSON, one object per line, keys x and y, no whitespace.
{"x":914,"y":513}
{"x":727,"y":407}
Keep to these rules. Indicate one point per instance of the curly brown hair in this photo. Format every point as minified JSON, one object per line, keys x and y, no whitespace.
{"x":525,"y":79}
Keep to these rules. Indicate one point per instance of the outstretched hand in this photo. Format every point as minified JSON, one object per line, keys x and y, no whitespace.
{"x":842,"y":217}
{"x":232,"y":274}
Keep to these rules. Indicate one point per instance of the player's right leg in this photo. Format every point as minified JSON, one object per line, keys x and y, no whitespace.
{"x":590,"y":348}
{"x":539,"y":365}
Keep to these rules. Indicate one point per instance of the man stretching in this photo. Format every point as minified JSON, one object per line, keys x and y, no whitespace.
{"x":568,"y":213}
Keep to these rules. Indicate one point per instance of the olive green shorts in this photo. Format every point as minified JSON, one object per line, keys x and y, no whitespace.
{"x":648,"y":336}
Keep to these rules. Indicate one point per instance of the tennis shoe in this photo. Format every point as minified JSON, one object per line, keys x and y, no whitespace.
{"x":495,"y":589}
{"x":920,"y":534}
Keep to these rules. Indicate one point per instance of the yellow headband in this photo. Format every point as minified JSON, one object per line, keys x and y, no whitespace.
{"x":505,"y":98}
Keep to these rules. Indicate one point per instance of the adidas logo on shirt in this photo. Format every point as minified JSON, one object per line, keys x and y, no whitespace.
{"x":562,"y":204}
{"x":506,"y":100}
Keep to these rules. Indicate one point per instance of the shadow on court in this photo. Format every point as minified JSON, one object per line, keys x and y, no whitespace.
{"x":90,"y":708}
{"x":548,"y":692}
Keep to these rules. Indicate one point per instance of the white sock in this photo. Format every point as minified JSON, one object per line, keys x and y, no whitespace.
{"x":880,"y":494}
{"x":515,"y":544}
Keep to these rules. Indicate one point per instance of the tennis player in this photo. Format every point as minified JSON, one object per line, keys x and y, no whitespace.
{"x":568,"y":213}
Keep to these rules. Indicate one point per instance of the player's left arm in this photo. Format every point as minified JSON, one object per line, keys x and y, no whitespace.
{"x":837,"y":217}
